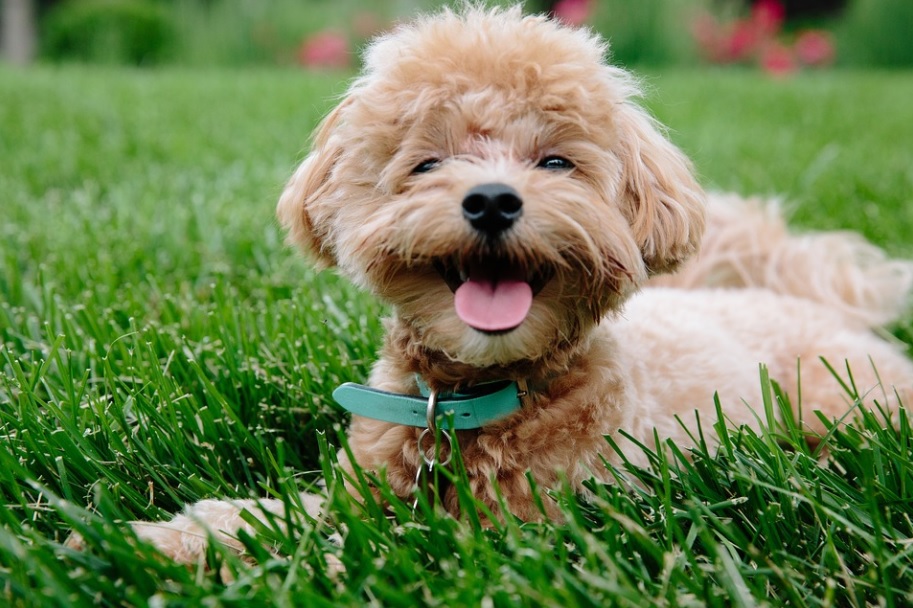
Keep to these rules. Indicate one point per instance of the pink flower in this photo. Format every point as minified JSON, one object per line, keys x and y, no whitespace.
{"x":757,"y":40}
{"x":326,"y":49}
{"x":778,"y":60}
{"x":572,"y":12}
{"x":768,"y":16}
{"x":815,"y":48}
{"x":742,"y":40}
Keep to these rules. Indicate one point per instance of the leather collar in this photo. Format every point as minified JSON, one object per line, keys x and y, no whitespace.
{"x":472,"y":408}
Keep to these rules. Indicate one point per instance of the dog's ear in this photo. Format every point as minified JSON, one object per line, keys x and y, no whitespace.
{"x":662,"y":201}
{"x":310,"y":183}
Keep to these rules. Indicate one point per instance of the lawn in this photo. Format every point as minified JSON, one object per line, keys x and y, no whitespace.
{"x":160,"y":344}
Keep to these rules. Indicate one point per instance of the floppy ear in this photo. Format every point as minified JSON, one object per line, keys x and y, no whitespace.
{"x":662,"y":201}
{"x":310,"y":183}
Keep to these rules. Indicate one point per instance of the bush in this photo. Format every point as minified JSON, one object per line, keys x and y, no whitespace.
{"x":877,"y":33}
{"x":647,"y":32}
{"x":256,"y":32}
{"x":108,"y":31}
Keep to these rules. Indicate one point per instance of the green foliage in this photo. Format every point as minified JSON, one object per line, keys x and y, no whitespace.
{"x":877,"y":33}
{"x":647,"y":32}
{"x":160,"y":344}
{"x":241,"y":32}
{"x":134,"y":32}
{"x":234,"y":32}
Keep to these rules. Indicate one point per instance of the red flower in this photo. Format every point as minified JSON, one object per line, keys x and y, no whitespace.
{"x":326,"y":49}
{"x":742,"y":40}
{"x":768,"y":16}
{"x":756,"y":40}
{"x":815,"y":48}
{"x":778,"y":60}
{"x":572,"y":12}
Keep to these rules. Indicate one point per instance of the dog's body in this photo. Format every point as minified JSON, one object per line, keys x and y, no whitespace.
{"x":657,"y":364}
{"x":491,"y":178}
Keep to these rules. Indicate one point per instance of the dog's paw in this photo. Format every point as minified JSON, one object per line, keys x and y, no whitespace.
{"x":185,"y":537}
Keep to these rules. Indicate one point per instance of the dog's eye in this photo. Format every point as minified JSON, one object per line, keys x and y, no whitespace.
{"x":426,"y":165}
{"x":555,"y":163}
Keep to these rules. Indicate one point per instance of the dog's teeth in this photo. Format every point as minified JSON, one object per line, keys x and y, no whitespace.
{"x":464,"y":276}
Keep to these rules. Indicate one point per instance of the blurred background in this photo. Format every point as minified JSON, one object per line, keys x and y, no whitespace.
{"x":779,"y":37}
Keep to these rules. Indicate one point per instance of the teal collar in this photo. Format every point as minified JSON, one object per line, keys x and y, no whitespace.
{"x":478,"y":406}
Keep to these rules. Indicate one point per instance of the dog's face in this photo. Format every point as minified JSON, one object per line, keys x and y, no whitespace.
{"x":489,"y":176}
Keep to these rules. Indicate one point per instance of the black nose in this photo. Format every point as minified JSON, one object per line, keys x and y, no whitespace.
{"x":492,"y":208}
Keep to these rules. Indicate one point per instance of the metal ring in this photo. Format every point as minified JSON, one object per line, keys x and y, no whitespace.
{"x":431,"y":411}
{"x":429,"y":460}
{"x":430,"y":415}
{"x":434,"y":449}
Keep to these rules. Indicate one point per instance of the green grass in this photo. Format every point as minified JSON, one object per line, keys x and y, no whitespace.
{"x":161,"y":345}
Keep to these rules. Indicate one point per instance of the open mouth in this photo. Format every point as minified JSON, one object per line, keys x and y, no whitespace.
{"x":491,"y":294}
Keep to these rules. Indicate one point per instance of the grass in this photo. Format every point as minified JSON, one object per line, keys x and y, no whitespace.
{"x":161,"y":345}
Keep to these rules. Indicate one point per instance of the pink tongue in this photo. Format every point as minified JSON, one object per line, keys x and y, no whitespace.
{"x":493,"y":306}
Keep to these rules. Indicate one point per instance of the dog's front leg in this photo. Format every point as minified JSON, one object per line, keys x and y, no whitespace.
{"x":185,"y":537}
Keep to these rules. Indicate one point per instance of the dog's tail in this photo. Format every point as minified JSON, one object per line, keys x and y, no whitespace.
{"x":747,"y":244}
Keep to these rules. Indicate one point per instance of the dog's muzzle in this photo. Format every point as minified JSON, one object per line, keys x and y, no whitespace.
{"x":493,"y":293}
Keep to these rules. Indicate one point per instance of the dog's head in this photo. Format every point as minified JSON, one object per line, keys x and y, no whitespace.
{"x":491,"y":177}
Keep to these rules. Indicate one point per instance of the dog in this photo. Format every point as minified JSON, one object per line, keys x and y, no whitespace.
{"x":493,"y":179}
